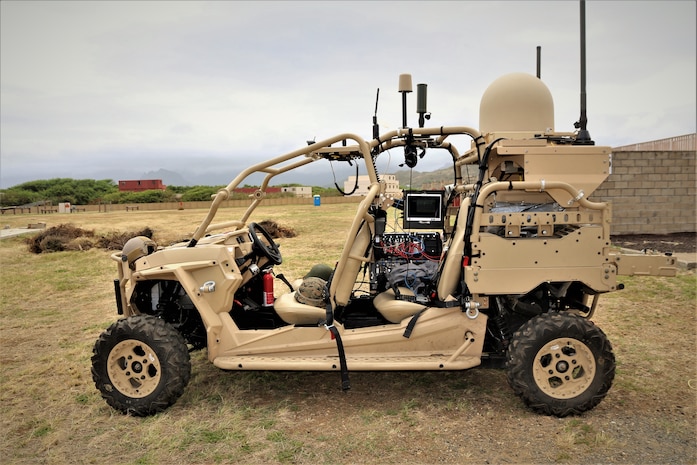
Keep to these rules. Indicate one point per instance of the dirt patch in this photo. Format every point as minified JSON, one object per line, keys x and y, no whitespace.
{"x":685,"y":242}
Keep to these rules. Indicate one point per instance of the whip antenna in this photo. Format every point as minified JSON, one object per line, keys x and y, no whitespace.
{"x":376,"y":127}
{"x":583,"y":137}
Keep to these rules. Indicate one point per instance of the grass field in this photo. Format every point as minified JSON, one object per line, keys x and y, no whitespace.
{"x":53,"y":307}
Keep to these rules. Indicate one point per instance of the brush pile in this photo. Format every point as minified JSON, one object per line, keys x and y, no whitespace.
{"x":66,"y":237}
{"x":275,"y":230}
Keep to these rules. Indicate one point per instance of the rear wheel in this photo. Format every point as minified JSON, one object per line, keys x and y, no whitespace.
{"x":141,"y":365}
{"x":560,"y":364}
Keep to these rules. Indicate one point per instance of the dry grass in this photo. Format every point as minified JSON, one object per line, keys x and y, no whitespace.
{"x":53,"y":306}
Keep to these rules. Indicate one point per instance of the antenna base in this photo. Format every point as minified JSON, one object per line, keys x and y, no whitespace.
{"x":583,"y":138}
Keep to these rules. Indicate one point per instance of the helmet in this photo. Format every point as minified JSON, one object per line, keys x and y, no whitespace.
{"x":312,"y":292}
{"x":137,"y":247}
{"x":320,"y":271}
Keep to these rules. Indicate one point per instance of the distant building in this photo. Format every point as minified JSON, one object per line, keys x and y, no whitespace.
{"x":298,"y":191}
{"x":364,"y":184}
{"x":141,"y":185}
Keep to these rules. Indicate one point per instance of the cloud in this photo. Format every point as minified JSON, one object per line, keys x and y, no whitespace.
{"x":202,"y":88}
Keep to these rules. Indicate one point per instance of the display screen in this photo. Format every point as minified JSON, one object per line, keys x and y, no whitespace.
{"x":423,"y":210}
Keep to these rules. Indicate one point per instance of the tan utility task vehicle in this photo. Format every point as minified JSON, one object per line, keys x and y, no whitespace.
{"x":509,"y":267}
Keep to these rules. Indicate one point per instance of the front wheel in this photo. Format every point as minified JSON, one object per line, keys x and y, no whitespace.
{"x":141,"y":365}
{"x":560,"y":364}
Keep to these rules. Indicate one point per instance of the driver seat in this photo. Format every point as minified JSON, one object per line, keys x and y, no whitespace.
{"x":295,"y":313}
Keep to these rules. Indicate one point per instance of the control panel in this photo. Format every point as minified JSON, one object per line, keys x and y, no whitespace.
{"x":421,"y":249}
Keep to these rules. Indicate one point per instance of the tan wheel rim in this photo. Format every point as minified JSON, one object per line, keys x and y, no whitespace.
{"x":133,"y":368}
{"x":564,"y":368}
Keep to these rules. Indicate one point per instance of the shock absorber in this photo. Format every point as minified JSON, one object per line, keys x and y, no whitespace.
{"x":500,"y":319}
{"x":267,"y":286}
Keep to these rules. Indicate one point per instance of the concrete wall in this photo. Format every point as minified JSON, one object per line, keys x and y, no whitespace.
{"x":651,"y":192}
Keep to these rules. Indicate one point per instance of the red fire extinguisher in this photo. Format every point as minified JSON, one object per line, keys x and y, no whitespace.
{"x":267,"y":285}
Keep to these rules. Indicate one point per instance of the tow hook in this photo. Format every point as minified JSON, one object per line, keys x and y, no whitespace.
{"x":208,"y":286}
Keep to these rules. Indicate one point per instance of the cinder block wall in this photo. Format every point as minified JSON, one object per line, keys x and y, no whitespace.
{"x":652,"y":192}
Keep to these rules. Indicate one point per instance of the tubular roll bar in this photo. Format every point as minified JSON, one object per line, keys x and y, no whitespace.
{"x":323,"y":150}
{"x":272,"y":168}
{"x":540,"y":186}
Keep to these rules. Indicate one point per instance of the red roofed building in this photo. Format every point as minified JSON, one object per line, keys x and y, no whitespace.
{"x":141,"y":185}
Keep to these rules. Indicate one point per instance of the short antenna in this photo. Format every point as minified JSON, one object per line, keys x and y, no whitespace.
{"x":376,"y":127}
{"x":421,"y":106}
{"x":539,"y":62}
{"x":404,"y":89}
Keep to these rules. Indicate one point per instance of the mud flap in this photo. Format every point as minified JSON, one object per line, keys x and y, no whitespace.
{"x":119,"y":300}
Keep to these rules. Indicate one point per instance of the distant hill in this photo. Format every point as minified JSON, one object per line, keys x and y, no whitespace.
{"x":420,"y":179}
{"x":169,"y":178}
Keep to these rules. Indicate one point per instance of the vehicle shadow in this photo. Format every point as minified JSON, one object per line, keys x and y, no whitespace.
{"x":369,"y":390}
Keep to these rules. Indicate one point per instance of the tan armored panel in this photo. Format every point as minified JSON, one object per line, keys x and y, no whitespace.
{"x":516,"y":102}
{"x":584,"y":167}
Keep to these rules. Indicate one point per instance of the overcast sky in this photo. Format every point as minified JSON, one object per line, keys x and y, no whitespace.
{"x":114,"y":90}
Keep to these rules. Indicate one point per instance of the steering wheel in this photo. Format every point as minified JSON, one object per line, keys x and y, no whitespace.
{"x":269,"y":250}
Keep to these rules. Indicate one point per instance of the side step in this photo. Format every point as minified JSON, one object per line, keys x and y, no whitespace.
{"x":355,"y":362}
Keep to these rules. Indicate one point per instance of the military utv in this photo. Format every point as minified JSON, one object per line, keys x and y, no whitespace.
{"x":506,"y":267}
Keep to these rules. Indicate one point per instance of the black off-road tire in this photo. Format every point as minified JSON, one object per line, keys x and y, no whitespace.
{"x":141,"y":365}
{"x":560,"y":364}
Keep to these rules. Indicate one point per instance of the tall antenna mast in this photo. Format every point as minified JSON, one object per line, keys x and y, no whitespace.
{"x":583,"y":136}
